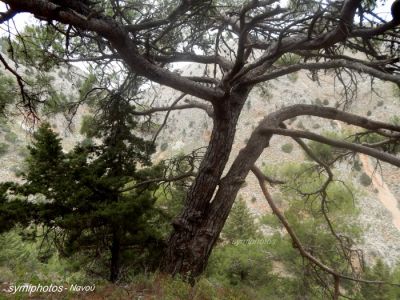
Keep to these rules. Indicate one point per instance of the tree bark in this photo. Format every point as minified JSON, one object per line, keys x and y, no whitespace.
{"x":192,"y":239}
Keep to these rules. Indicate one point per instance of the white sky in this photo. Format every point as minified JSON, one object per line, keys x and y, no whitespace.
{"x":22,"y":19}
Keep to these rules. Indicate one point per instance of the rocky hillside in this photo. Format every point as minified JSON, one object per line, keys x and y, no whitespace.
{"x":189,"y":129}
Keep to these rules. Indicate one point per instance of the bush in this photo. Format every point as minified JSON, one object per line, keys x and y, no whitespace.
{"x":293,"y":77}
{"x":357,"y":165}
{"x":318,"y":102}
{"x":3,"y":148}
{"x":11,"y":137}
{"x":164,"y":146}
{"x":300,"y":125}
{"x":287,"y":148}
{"x":321,"y":151}
{"x":240,"y":223}
{"x":395,"y":120}
{"x":316,"y":126}
{"x":88,"y":126}
{"x":365,"y":180}
{"x":23,"y":152}
{"x":241,"y":264}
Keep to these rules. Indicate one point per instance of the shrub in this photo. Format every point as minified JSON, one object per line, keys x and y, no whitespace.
{"x":293,"y":77}
{"x":287,"y":148}
{"x":326,"y":102}
{"x":395,"y":120}
{"x":369,"y":113}
{"x":240,"y":223}
{"x":316,"y":126}
{"x":365,"y":180}
{"x":318,"y":101}
{"x":321,"y":151}
{"x":3,"y":148}
{"x":23,"y":152}
{"x":300,"y":125}
{"x":11,"y":137}
{"x":164,"y":146}
{"x":357,"y":165}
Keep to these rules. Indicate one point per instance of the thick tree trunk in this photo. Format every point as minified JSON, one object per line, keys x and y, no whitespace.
{"x":191,"y":243}
{"x":192,"y":239}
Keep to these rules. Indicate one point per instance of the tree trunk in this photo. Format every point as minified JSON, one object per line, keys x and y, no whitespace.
{"x":115,"y":255}
{"x":191,"y":243}
{"x":192,"y":239}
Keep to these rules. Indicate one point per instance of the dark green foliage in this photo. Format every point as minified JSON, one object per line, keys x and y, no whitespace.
{"x":3,"y":148}
{"x":240,"y":224}
{"x":86,"y":90}
{"x":83,"y":205}
{"x":13,"y":210}
{"x":11,"y":137}
{"x":357,"y":166}
{"x":306,"y":219}
{"x":164,"y":146}
{"x":318,"y":102}
{"x":241,"y":264}
{"x":34,"y":44}
{"x":365,"y":180}
{"x":374,"y":138}
{"x":44,"y":91}
{"x":381,"y":272}
{"x":20,"y":262}
{"x":316,"y":126}
{"x":243,"y":258}
{"x":395,"y":120}
{"x":8,"y":94}
{"x":300,"y":125}
{"x":288,"y":59}
{"x":324,"y":152}
{"x":287,"y":148}
{"x":88,"y":126}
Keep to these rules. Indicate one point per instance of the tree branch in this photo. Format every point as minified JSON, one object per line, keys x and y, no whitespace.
{"x":335,"y":143}
{"x":333,"y":64}
{"x":121,"y":41}
{"x":296,"y":241}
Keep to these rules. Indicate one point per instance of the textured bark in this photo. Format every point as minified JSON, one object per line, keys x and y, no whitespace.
{"x":189,"y":245}
{"x":194,"y":243}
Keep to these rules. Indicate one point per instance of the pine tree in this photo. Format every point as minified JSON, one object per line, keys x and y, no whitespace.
{"x":240,"y":224}
{"x":78,"y":195}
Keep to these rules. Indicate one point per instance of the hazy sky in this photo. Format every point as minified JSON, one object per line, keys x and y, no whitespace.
{"x":22,"y":19}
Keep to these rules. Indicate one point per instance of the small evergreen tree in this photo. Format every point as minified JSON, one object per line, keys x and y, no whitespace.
{"x":240,"y":224}
{"x":80,"y":197}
